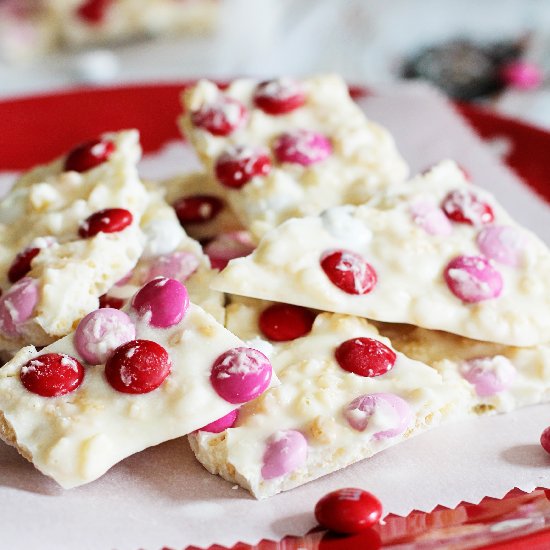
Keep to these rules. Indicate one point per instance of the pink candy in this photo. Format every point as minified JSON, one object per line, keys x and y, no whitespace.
{"x":17,"y":305}
{"x":222,"y":424}
{"x":522,"y":75}
{"x":504,"y":244}
{"x":241,"y":374}
{"x":228,"y":246}
{"x":101,"y":332}
{"x":302,"y":147}
{"x":473,"y":279}
{"x":164,"y":301}
{"x":177,"y":265}
{"x":285,"y":452}
{"x":393,"y":411}
{"x":489,"y":375}
{"x":430,"y":218}
{"x":545,"y":440}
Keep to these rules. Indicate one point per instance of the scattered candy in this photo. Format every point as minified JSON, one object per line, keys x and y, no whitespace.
{"x":17,"y":305}
{"x":365,"y":356}
{"x":473,"y":279}
{"x":284,"y":322}
{"x":348,"y":511}
{"x":89,"y":155}
{"x":504,"y":244}
{"x":464,"y":206}
{"x":545,"y":440}
{"x":163,"y":302}
{"x":222,"y":424}
{"x":279,"y":97}
{"x":139,"y":366}
{"x":522,"y":75}
{"x":110,"y":220}
{"x":285,"y":452}
{"x":220,"y":118}
{"x":237,"y":166}
{"x":349,"y":271}
{"x":489,"y":375}
{"x":228,"y":246}
{"x":302,"y":147}
{"x":241,"y":374}
{"x":197,"y":209}
{"x":101,"y":332}
{"x":94,"y":11}
{"x":52,"y":374}
{"x":395,"y":412}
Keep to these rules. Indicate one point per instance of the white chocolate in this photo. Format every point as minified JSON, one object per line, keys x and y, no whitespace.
{"x":364,"y":156}
{"x":409,"y":263}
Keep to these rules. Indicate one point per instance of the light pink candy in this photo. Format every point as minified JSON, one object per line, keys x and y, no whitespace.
{"x":17,"y":305}
{"x":482,"y":373}
{"x":177,"y":265}
{"x":285,"y":452}
{"x":302,"y":147}
{"x":473,"y":279}
{"x":368,"y":404}
{"x":163,"y":300}
{"x":101,"y":332}
{"x":504,"y":244}
{"x":241,"y":374}
{"x":522,"y":75}
{"x":430,"y":218}
{"x":227,"y":246}
{"x":222,"y":424}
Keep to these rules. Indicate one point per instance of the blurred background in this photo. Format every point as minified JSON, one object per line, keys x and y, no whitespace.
{"x":492,"y":51}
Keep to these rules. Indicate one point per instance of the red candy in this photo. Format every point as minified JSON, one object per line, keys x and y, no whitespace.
{"x":110,"y":220}
{"x":220,"y":118}
{"x":139,"y":366}
{"x":197,"y":209}
{"x":89,"y":155}
{"x":463,"y":206}
{"x":365,"y":357}
{"x":349,"y":271}
{"x":110,"y":301}
{"x":21,"y":265}
{"x":52,"y":375}
{"x":238,"y":166}
{"x":348,"y":511}
{"x":545,"y":440}
{"x":278,"y":97}
{"x":284,"y":322}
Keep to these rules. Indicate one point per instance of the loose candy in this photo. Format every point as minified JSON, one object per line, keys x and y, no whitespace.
{"x":241,"y":374}
{"x":280,"y":96}
{"x":489,"y":375}
{"x":365,"y":356}
{"x":348,"y":511}
{"x":545,"y":440}
{"x":162,"y":301}
{"x":222,"y":424}
{"x":465,"y":206}
{"x":285,"y":452}
{"x":473,"y":279}
{"x":284,"y":322}
{"x":52,"y":374}
{"x":17,"y":305}
{"x":110,"y":220}
{"x":138,"y":366}
{"x":238,"y":165}
{"x":302,"y":147}
{"x":393,"y":413}
{"x":89,"y":155}
{"x":221,"y":117}
{"x":197,"y":209}
{"x":349,"y":271}
{"x":504,"y":244}
{"x":522,"y":75}
{"x":101,"y":332}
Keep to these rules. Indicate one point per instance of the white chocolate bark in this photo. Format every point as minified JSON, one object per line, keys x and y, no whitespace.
{"x":72,"y":272}
{"x":364,"y":157}
{"x":409,"y":263}
{"x":313,"y":395}
{"x":77,"y":437}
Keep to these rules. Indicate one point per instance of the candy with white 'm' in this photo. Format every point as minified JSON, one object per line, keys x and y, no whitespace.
{"x":436,"y":252}
{"x":345,"y":395}
{"x":69,"y":230}
{"x":283,"y":148}
{"x":124,"y":381}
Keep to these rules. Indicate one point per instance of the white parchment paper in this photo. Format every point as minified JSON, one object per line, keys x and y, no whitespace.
{"x":163,"y":497}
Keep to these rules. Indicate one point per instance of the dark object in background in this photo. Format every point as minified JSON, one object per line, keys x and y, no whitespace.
{"x":463,"y":69}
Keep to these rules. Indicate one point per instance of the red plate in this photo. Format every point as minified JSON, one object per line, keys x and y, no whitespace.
{"x":38,"y":128}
